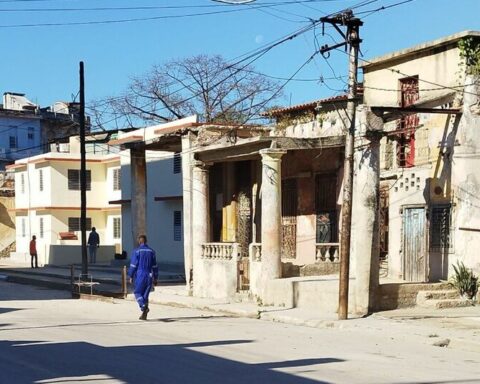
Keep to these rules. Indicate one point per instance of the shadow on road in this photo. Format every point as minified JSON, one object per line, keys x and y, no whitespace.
{"x":38,"y":362}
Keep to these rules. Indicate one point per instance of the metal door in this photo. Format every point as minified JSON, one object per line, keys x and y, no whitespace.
{"x":415,"y":244}
{"x":289,"y":218}
{"x":244,"y":222}
{"x":325,"y":205}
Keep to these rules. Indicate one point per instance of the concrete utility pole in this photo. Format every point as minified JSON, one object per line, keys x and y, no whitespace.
{"x":83,"y":175}
{"x":352,"y":43}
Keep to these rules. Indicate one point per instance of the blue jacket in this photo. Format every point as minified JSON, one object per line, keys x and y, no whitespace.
{"x":143,"y":263}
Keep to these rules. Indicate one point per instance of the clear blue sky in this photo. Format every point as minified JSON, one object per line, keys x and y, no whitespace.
{"x":43,"y":61}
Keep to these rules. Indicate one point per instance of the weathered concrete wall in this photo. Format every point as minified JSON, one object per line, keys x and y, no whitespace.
{"x":219,"y":279}
{"x":71,"y":254}
{"x":313,"y":293}
{"x":466,"y":181}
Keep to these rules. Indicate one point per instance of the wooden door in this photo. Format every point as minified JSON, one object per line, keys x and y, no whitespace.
{"x":415,"y":245}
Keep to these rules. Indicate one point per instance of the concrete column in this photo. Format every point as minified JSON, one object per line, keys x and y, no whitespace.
{"x":364,"y":247}
{"x":187,"y":158}
{"x":271,"y":214}
{"x":200,"y":223}
{"x":138,"y":191}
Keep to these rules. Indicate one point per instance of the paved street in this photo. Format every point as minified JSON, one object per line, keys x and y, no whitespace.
{"x":46,"y":337}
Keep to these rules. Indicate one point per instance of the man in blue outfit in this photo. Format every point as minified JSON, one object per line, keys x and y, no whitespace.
{"x":143,"y":272}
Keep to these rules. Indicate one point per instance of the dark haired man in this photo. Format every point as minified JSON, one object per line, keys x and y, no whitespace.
{"x":143,"y":272}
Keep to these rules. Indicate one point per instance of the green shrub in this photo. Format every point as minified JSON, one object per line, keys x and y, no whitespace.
{"x":464,"y":281}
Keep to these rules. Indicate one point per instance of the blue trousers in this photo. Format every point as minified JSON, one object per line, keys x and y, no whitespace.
{"x":93,"y":253}
{"x":143,"y":285}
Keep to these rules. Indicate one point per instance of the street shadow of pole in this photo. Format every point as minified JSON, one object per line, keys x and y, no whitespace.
{"x":175,"y":363}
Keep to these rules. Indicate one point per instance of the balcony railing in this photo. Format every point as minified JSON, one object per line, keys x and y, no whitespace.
{"x":327,"y":252}
{"x":255,"y":252}
{"x":220,"y":251}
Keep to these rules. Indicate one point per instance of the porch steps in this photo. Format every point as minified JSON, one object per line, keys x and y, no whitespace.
{"x":442,"y":299}
{"x":403,"y":295}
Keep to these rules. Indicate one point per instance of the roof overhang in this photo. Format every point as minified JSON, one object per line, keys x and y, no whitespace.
{"x":248,"y":149}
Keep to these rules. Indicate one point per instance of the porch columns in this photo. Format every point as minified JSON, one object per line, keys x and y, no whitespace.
{"x":200,"y":222}
{"x":365,"y":247}
{"x":271,"y":214}
{"x":187,"y":158}
{"x":138,"y":191}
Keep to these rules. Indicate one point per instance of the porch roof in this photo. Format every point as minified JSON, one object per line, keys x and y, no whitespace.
{"x":248,"y":149}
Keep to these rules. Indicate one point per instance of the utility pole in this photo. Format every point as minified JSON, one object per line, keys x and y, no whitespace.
{"x":351,"y":42}
{"x":83,"y":175}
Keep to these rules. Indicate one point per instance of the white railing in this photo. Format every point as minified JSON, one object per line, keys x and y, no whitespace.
{"x":255,"y":252}
{"x":220,"y":251}
{"x":327,"y":252}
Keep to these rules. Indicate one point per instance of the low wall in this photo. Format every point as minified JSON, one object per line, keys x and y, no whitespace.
{"x":320,"y":294}
{"x":217,"y":280}
{"x":72,"y":254}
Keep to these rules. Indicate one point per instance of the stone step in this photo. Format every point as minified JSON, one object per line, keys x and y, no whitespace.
{"x":423,"y":296}
{"x":447,"y":303}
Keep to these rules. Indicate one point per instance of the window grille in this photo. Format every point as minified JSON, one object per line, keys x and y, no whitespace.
{"x":41,"y":227}
{"x":177,"y":163}
{"x":441,"y":223}
{"x":24,"y":230}
{"x":74,"y":224}
{"x":177,"y":225}
{"x":40,"y":179}
{"x":13,"y":142}
{"x":22,"y":182}
{"x":116,"y":228}
{"x":74,"y":180}
{"x":116,"y":179}
{"x":31,"y":133}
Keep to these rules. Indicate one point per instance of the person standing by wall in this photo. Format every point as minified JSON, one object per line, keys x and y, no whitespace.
{"x":33,"y":251}
{"x":93,"y":243}
{"x":143,"y":272}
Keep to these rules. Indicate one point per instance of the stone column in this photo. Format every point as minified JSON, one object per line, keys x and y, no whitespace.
{"x":200,"y":223}
{"x":271,"y":214}
{"x":138,"y":191}
{"x":187,"y":171}
{"x":364,"y":247}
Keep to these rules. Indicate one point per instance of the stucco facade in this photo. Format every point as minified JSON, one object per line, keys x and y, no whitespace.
{"x":47,"y":202}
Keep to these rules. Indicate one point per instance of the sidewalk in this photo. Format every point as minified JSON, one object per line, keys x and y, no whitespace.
{"x":454,"y":327}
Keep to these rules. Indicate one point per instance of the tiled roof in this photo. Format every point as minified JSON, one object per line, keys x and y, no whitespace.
{"x":304,"y":106}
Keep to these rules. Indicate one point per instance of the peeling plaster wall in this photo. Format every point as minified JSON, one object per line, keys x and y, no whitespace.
{"x":466,"y":181}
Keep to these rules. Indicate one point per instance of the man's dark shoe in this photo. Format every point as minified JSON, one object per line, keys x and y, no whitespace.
{"x":143,"y":316}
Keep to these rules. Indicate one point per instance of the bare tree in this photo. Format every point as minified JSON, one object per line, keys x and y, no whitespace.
{"x":203,"y":85}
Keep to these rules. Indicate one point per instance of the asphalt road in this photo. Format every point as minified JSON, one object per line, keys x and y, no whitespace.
{"x":46,"y":337}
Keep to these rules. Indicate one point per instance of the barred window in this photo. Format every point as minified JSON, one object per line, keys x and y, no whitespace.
{"x":40,"y":225}
{"x":22,"y":182}
{"x":177,"y":225}
{"x":74,"y":180}
{"x":116,"y":179}
{"x":24,"y":229}
{"x":440,"y":228}
{"x":117,"y":230}
{"x":40,"y":179}
{"x":13,"y":142}
{"x":177,"y":163}
{"x":31,"y":133}
{"x":74,"y":224}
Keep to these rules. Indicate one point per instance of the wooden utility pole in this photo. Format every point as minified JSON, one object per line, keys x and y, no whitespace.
{"x":83,"y":175}
{"x":352,"y":43}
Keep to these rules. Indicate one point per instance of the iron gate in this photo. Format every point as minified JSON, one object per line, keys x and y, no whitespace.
{"x":289,"y":218}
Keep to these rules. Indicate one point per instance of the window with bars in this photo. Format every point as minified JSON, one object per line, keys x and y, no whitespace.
{"x":74,"y":180}
{"x":22,"y":182}
{"x":41,"y":228}
{"x":24,"y":229}
{"x":74,"y":224}
{"x":31,"y":133}
{"x":409,"y":94}
{"x":117,"y":230}
{"x":40,"y":179}
{"x":177,"y":225}
{"x":177,"y":163}
{"x":440,"y":226}
{"x":116,"y":179}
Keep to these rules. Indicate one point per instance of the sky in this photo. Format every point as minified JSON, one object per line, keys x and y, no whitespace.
{"x":42,"y":60}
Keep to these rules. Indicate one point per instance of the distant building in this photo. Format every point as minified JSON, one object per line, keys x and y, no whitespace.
{"x":27,"y":130}
{"x":47,"y":203}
